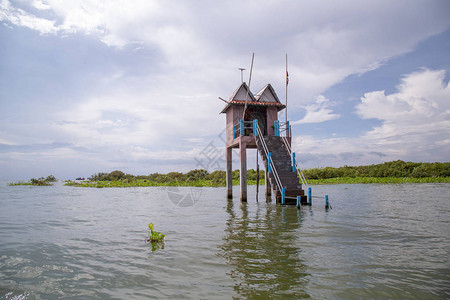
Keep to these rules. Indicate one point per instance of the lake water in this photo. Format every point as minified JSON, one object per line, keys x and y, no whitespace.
{"x":378,"y":242}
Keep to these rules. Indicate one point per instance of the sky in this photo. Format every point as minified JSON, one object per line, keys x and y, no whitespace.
{"x":90,"y":86}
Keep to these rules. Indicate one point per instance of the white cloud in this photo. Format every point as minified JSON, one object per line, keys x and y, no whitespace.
{"x":416,"y":119}
{"x":326,"y":42}
{"x":318,"y":111}
{"x":422,"y":98}
{"x":19,"y":17}
{"x":141,"y":114}
{"x":198,"y":47}
{"x":40,"y":5}
{"x":415,"y":125}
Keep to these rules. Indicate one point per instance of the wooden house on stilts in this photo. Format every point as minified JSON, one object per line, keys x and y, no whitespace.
{"x":252,"y":123}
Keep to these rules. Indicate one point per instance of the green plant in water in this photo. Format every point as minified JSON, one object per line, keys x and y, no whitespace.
{"x":154,"y":236}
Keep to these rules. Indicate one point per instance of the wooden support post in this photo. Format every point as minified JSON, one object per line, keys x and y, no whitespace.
{"x":269,"y":162}
{"x":241,"y":127}
{"x":309,"y":196}
{"x":255,"y":127}
{"x":243,"y":169}
{"x":257,"y":176}
{"x":293,"y":162}
{"x":229,"y":172}
{"x":267,"y":183}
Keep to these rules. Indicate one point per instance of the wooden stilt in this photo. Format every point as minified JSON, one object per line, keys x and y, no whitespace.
{"x":267,"y":183}
{"x":243,"y":169}
{"x":257,"y":176}
{"x":229,"y":172}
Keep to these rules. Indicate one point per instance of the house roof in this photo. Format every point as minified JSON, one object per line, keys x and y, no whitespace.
{"x":242,"y":93}
{"x":267,"y":94}
{"x":265,"y":97}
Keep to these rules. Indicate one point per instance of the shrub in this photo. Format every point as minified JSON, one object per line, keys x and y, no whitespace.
{"x":195,"y":175}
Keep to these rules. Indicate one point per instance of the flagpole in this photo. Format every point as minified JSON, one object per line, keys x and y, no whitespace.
{"x":287,"y":81}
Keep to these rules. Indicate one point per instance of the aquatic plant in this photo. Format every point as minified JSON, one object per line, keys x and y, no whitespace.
{"x":41,"y":181}
{"x":154,"y":236}
{"x":50,"y":178}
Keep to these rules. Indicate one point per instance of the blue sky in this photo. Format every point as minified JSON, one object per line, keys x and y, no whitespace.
{"x":93,"y":86}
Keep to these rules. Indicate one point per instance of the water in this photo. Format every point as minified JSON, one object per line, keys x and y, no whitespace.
{"x":378,"y":242}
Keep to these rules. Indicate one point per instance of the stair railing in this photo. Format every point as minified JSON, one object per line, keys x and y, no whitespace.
{"x":282,"y":128}
{"x":299,"y":171}
{"x":266,"y":152}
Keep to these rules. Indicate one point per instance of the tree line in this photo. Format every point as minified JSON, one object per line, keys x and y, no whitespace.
{"x":215,"y":177}
{"x":389,"y":169}
{"x":396,"y":169}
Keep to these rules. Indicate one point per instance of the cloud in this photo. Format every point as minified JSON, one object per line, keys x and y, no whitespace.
{"x":32,"y":148}
{"x":318,"y":112}
{"x":416,"y":119}
{"x":326,"y":42}
{"x":422,"y":98}
{"x":153,"y":70}
{"x":38,"y":4}
{"x":20,"y":17}
{"x":415,"y":125}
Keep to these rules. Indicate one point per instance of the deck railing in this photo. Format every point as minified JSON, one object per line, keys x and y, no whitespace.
{"x":282,"y":129}
{"x":240,"y":127}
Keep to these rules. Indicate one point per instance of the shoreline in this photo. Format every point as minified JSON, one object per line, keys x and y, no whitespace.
{"x":208,"y":183}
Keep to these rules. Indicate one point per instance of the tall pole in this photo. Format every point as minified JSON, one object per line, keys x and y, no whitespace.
{"x":249,"y":82}
{"x":287,"y":82}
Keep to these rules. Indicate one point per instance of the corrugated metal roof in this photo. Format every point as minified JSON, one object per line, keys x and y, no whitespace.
{"x":259,"y":103}
{"x":267,"y":94}
{"x":252,"y":103}
{"x":243,"y":92}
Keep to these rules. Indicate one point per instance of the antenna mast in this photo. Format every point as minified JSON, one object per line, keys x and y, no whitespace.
{"x":242,"y":74}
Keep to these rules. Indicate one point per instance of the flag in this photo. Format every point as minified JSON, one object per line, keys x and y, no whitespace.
{"x":287,"y":78}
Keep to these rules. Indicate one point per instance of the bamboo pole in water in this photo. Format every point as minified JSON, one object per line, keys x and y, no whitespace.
{"x":248,"y":90}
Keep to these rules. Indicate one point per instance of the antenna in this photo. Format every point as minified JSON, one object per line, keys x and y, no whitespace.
{"x":242,"y":74}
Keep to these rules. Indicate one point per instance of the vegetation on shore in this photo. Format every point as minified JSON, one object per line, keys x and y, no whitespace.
{"x":197,"y":178}
{"x":381,"y":180}
{"x":38,"y":182}
{"x":396,"y":169}
{"x":389,"y":172}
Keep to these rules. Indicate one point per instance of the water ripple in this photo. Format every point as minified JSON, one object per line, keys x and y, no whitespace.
{"x":378,"y":242}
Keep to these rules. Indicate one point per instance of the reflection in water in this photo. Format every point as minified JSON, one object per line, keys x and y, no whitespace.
{"x":260,"y":245}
